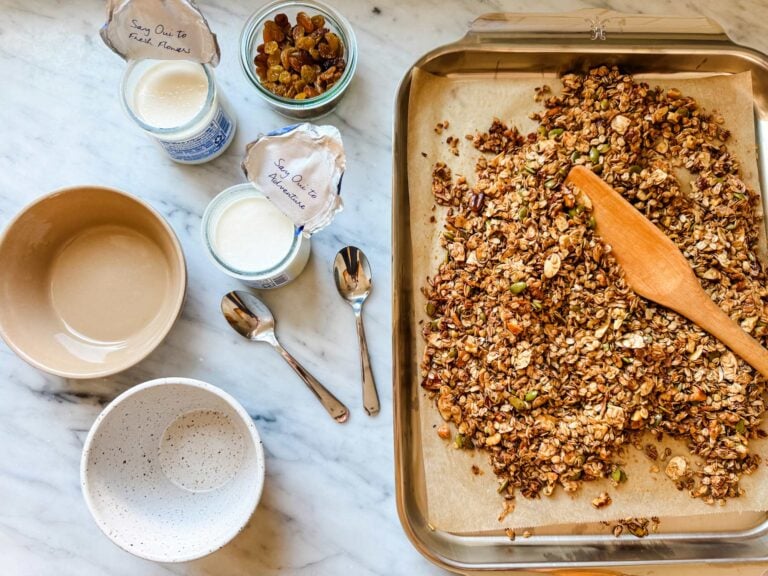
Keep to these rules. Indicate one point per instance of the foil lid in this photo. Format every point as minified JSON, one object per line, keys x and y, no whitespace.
{"x":299,"y":168}
{"x":160,"y":30}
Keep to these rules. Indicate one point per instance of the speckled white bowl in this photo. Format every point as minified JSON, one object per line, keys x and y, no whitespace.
{"x":172,"y":469}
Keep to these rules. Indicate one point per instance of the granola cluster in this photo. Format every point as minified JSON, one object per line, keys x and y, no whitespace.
{"x":536,"y":349}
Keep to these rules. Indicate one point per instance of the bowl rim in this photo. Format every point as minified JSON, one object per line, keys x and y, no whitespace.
{"x":193,"y":383}
{"x":152,"y":343}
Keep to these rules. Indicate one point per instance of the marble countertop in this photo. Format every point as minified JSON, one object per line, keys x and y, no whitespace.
{"x":329,"y":502}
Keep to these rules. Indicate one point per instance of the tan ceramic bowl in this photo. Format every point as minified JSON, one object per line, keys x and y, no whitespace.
{"x":91,"y":281}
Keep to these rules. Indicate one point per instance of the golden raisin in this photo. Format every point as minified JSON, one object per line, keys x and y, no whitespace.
{"x":326,"y":52}
{"x":308,"y":74}
{"x":305,"y":43}
{"x":299,"y":61}
{"x":273,"y":74}
{"x":328,"y":74}
{"x":285,"y":57}
{"x":333,"y":42}
{"x":295,"y":62}
{"x":305,"y":22}
{"x":318,"y":21}
{"x":272,"y":32}
{"x":273,"y":59}
{"x":297,"y":32}
{"x":270,"y":47}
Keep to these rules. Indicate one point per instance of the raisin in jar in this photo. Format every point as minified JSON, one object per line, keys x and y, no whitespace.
{"x":299,"y":56}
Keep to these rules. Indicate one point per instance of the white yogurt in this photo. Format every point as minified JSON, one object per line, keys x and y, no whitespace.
{"x":178,"y":103}
{"x":171,"y":93}
{"x":250,"y":239}
{"x":252,"y":235}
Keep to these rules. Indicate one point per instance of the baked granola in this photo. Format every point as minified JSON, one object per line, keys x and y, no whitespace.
{"x":536,"y":349}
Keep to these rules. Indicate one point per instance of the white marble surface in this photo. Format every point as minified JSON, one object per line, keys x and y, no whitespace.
{"x":328,"y":506}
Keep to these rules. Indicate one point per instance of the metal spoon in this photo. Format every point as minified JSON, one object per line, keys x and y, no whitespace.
{"x":353,"y":281}
{"x":251,"y":318}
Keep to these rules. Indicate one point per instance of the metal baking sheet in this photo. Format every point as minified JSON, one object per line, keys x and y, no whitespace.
{"x":516,"y":44}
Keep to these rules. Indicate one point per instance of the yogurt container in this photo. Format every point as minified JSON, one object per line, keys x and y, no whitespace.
{"x":249,"y":239}
{"x":168,"y":88}
{"x":260,"y":232}
{"x":178,"y":103}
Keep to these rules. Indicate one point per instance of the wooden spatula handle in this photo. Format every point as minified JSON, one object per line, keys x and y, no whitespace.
{"x":708,"y":315}
{"x":655,"y":268}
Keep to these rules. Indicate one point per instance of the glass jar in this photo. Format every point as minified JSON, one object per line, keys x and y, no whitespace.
{"x":195,"y":140}
{"x":252,"y":36}
{"x":283,"y":271}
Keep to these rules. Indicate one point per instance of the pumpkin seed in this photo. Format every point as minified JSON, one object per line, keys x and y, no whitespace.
{"x":555,"y":132}
{"x":517,"y":404}
{"x":462,"y":442}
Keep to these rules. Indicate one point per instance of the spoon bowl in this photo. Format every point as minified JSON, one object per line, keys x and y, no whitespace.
{"x":251,"y":318}
{"x":352,"y":275}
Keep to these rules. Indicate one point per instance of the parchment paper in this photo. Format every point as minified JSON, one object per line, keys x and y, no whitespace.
{"x":458,"y":500}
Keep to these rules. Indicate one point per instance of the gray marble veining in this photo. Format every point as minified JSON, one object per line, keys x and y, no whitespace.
{"x":328,"y":505}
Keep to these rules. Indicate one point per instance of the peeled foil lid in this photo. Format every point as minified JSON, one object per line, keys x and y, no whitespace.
{"x":299,"y":168}
{"x":159,"y":30}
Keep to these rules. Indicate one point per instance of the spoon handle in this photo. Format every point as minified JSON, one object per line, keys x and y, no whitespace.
{"x":333,"y":406}
{"x":370,"y":395}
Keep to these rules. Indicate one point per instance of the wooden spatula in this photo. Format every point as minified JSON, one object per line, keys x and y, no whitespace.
{"x":656,"y":269}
